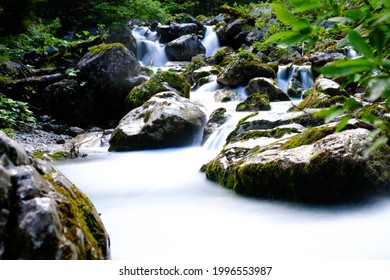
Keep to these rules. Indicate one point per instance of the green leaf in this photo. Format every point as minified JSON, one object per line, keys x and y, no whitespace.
{"x":304,"y":5}
{"x":340,"y":19}
{"x":377,"y":40}
{"x":280,"y":35}
{"x":360,"y":45}
{"x":301,"y":23}
{"x":346,"y":67}
{"x":343,"y":122}
{"x":351,"y":104}
{"x":377,"y":87}
{"x":355,"y":14}
{"x":295,"y":38}
{"x":378,"y":143}
{"x":283,"y":14}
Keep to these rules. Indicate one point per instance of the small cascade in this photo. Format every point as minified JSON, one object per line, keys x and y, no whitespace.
{"x":210,"y":41}
{"x":298,"y":76}
{"x":351,"y":53}
{"x":149,"y":50}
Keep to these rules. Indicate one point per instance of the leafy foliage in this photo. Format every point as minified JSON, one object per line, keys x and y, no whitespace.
{"x":366,"y":27}
{"x":15,"y":114}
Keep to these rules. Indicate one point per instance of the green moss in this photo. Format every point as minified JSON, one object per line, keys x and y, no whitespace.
{"x":222,"y":57}
{"x":56,"y":155}
{"x":376,"y":110}
{"x":308,"y":137}
{"x":196,"y":63}
{"x":255,"y":102}
{"x":77,"y":213}
{"x":316,"y":99}
{"x":159,"y":82}
{"x":104,"y":47}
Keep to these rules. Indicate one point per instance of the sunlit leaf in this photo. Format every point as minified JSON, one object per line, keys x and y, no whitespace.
{"x":280,"y":35}
{"x":377,"y":40}
{"x":288,"y":41}
{"x":360,"y":45}
{"x":346,"y":67}
{"x":340,"y":19}
{"x":343,"y":122}
{"x":304,"y":5}
{"x":283,"y":14}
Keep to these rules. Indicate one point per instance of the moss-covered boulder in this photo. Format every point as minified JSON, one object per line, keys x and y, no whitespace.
{"x":267,"y":86}
{"x":240,"y":71}
{"x":331,"y":170}
{"x":315,"y":99}
{"x":255,"y":102}
{"x":166,"y":120}
{"x":184,"y":48}
{"x":105,"y":70}
{"x":42,"y":214}
{"x":216,"y":119}
{"x":159,"y":82}
{"x":222,"y":56}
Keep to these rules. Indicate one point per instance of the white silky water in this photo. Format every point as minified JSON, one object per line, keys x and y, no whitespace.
{"x":157,"y":206}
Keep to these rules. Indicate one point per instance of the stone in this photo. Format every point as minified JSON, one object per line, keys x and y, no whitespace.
{"x":254,"y":102}
{"x":166,"y":120}
{"x":184,"y":48}
{"x":266,"y":86}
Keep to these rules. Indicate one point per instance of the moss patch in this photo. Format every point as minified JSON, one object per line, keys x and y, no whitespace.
{"x":99,"y":49}
{"x":308,"y":137}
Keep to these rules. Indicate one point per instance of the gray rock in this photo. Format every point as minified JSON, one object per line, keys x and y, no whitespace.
{"x":328,"y":87}
{"x":319,"y":59}
{"x":173,"y":31}
{"x":42,"y":214}
{"x":267,"y":86}
{"x":184,"y":48}
{"x":165,"y":120}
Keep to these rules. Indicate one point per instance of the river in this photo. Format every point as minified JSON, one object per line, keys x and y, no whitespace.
{"x":157,"y":205}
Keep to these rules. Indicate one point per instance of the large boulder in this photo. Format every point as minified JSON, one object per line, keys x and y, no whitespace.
{"x":329,"y":87}
{"x":266,"y":86}
{"x":319,"y":59}
{"x":184,"y":48}
{"x":315,"y":99}
{"x":70,"y":103}
{"x":330,"y":169}
{"x":43,"y":215}
{"x":159,"y":82}
{"x":105,"y":70}
{"x":254,"y":102}
{"x":168,"y":33}
{"x":166,"y":120}
{"x":240,"y":71}
{"x":233,"y":33}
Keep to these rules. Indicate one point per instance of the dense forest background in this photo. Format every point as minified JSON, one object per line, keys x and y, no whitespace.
{"x":17,"y":15}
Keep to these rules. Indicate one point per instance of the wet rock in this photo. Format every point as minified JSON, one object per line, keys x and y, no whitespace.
{"x":159,"y":82}
{"x":330,"y":170}
{"x":267,"y":86}
{"x":319,"y":59}
{"x":329,"y":87}
{"x":166,"y":120}
{"x":106,"y":70}
{"x":216,"y":119}
{"x":42,"y":214}
{"x":184,"y":48}
{"x":240,"y":71}
{"x":173,"y":31}
{"x":255,"y":102}
{"x":226,"y":95}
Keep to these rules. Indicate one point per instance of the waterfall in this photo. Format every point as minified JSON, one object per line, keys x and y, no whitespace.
{"x":149,"y":50}
{"x":210,"y":41}
{"x":299,"y":76}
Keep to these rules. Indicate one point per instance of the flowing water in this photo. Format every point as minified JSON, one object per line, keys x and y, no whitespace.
{"x":156,"y":205}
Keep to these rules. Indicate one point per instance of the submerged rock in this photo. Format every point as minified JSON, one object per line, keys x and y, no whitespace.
{"x":166,"y":120}
{"x":43,"y":215}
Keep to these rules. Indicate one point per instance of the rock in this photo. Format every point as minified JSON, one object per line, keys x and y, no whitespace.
{"x":167,"y":120}
{"x":329,"y":87}
{"x":226,"y":95}
{"x":68,"y":102}
{"x":159,"y":82}
{"x":267,"y":86}
{"x":124,"y":36}
{"x":240,"y":71}
{"x":269,"y":120}
{"x":222,"y":56}
{"x":315,"y":99}
{"x":319,"y":59}
{"x":106,"y":70}
{"x":184,"y":48}
{"x":255,"y":102}
{"x":216,"y":119}
{"x":173,"y":31}
{"x":232,"y":34}
{"x":43,"y":215}
{"x":331,"y":170}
